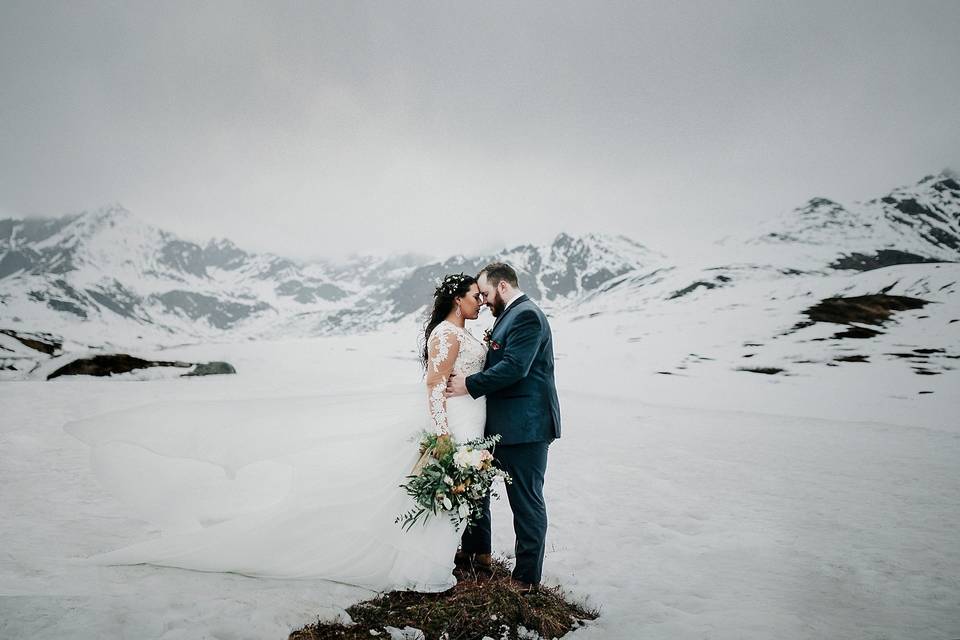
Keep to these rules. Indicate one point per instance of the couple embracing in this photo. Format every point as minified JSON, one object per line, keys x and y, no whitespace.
{"x":310,"y":487}
{"x":514,"y":378}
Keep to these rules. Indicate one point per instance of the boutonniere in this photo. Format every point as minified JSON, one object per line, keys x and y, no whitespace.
{"x":489,"y":341}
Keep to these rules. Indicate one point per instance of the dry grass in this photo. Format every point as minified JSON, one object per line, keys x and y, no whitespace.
{"x":872,"y":309}
{"x":482,"y":604}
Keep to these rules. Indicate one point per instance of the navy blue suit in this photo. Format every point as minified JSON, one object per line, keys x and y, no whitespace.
{"x":522,"y":408}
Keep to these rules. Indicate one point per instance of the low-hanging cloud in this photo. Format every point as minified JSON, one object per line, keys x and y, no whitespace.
{"x":325,"y":128}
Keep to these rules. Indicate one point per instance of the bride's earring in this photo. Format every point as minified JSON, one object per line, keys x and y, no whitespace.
{"x":459,"y":313}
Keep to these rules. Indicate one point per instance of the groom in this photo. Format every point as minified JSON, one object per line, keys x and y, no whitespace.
{"x":522,"y":408}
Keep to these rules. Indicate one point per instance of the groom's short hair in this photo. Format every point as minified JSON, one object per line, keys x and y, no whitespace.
{"x":497,"y":271}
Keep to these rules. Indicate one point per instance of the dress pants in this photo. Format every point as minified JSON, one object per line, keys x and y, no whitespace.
{"x":526,"y":463}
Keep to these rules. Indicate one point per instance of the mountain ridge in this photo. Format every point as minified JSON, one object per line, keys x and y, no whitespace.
{"x":105,"y":268}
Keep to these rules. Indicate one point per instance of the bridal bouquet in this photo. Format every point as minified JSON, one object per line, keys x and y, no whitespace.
{"x":452,"y":479}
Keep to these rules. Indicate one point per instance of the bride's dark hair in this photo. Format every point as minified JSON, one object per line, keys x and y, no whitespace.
{"x":455,"y":285}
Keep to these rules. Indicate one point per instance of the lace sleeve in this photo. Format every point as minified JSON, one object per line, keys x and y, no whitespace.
{"x":442,"y":349}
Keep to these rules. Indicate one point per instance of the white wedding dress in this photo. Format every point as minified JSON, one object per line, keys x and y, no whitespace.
{"x":304,"y":487}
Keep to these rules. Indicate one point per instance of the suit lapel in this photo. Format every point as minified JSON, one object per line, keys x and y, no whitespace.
{"x":503,"y":315}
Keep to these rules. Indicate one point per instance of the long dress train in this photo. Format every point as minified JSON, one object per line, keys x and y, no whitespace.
{"x":290,"y":487}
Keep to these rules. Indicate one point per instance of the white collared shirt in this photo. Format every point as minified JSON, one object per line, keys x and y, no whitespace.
{"x":512,"y":300}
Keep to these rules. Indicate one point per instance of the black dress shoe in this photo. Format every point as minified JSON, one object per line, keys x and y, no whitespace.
{"x":526,"y":588}
{"x":462,"y":559}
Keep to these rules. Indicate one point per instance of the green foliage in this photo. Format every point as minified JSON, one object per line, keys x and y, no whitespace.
{"x":455,"y":480}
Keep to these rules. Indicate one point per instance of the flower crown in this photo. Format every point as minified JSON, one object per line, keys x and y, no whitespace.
{"x":449,"y":285}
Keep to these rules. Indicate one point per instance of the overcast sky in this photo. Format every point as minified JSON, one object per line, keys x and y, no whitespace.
{"x":320,"y":128}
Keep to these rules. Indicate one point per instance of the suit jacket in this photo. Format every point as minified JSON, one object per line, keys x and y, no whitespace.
{"x":517,"y":378}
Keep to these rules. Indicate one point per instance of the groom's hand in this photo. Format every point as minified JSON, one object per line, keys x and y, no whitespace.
{"x":456,"y":386}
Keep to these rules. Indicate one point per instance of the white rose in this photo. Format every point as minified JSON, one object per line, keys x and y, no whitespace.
{"x":476,"y":458}
{"x":462,"y":458}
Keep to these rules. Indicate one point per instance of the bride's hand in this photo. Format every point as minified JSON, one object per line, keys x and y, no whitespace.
{"x":456,"y":386}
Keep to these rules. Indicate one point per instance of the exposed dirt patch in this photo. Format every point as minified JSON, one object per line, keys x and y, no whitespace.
{"x":106,"y":365}
{"x":480,"y":605}
{"x":770,"y":371}
{"x":872,"y":309}
{"x":43,"y":342}
{"x":855,"y":358}
{"x":857,"y":332}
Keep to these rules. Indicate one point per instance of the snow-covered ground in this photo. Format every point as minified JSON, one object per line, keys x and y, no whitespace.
{"x":708,"y":503}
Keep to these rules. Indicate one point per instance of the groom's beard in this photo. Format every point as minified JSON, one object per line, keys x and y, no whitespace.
{"x":497,"y":305}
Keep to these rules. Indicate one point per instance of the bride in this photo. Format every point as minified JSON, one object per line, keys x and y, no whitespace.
{"x":296,"y":487}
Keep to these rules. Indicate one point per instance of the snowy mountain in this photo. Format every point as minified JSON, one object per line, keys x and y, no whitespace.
{"x":910,"y":225}
{"x":562,"y":271}
{"x":107,"y":277}
{"x":107,"y":269}
{"x":916,"y":223}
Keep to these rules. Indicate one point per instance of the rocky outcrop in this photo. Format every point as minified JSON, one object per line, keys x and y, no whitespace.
{"x":211,"y":369}
{"x":872,"y":309}
{"x":43,"y":342}
{"x":108,"y":365}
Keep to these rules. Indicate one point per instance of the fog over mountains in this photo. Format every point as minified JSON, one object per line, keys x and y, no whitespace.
{"x":107,"y":273}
